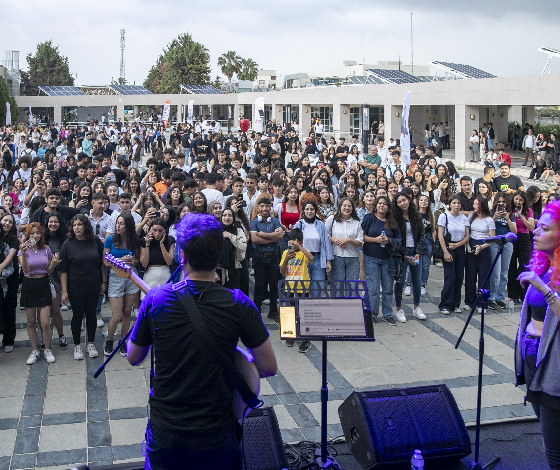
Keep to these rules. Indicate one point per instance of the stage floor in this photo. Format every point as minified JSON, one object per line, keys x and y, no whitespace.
{"x":58,"y":415}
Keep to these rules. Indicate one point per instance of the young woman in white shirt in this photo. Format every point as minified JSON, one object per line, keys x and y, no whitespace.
{"x":478,"y":260}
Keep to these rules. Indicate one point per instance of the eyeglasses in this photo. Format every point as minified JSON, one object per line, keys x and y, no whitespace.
{"x":97,"y":227}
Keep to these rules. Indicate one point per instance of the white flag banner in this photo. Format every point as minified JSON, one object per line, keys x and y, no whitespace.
{"x":30,"y":116}
{"x":8,"y":114}
{"x":165,"y":114}
{"x":259,"y":114}
{"x":190,"y":111}
{"x":405,"y":134}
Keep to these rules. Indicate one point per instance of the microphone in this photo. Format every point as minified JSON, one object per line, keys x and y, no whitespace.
{"x":508,"y":237}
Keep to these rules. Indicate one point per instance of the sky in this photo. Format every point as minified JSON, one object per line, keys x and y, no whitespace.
{"x":289,"y":36}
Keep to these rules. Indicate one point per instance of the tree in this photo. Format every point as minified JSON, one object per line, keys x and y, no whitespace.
{"x":5,"y":97}
{"x":219,"y":84}
{"x":230,"y":63}
{"x":249,"y":70}
{"x":119,"y":81}
{"x":184,"y":62}
{"x":47,"y":67}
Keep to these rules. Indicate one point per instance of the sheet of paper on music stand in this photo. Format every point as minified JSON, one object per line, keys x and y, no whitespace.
{"x":287,"y":322}
{"x":332,"y":317}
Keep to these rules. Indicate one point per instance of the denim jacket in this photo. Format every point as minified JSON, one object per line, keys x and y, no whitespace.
{"x":326,"y":248}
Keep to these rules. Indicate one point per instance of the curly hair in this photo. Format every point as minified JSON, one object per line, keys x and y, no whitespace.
{"x":540,"y":262}
{"x":310,"y":197}
{"x":88,"y":229}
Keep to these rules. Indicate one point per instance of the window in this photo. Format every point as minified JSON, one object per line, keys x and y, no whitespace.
{"x":324,"y":113}
{"x":355,"y":120}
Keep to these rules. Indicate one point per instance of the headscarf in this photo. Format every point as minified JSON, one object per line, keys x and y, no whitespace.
{"x":304,"y":217}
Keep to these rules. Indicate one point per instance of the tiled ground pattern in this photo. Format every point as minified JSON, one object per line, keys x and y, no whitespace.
{"x":58,"y":415}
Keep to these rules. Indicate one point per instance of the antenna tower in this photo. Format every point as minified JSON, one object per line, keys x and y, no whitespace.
{"x":122,"y":57}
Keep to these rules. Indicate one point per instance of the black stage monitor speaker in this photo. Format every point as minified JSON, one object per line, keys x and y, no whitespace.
{"x":262,"y":443}
{"x":386,"y":426}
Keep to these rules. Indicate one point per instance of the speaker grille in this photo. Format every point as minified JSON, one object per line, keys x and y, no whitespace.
{"x":262,"y":443}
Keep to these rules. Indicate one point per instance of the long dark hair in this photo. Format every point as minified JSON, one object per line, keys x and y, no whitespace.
{"x":12,"y":234}
{"x":131,"y":239}
{"x":507,"y":202}
{"x":240,"y":216}
{"x":88,"y":230}
{"x":525,"y":210}
{"x":535,"y":206}
{"x":162,"y":223}
{"x":391,"y":223}
{"x":60,"y":232}
{"x":414,"y":216}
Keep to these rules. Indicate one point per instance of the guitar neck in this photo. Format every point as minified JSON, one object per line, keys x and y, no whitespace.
{"x":139,"y":282}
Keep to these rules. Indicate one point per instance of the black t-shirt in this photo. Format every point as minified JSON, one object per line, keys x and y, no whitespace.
{"x":41,"y":215}
{"x":511,"y":182}
{"x":83,"y":261}
{"x":466,"y":203}
{"x":156,"y":256}
{"x":342,"y":149}
{"x":189,"y":391}
{"x":373,"y":227}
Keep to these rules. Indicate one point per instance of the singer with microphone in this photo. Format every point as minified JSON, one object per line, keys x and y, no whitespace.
{"x":537,"y":348}
{"x":505,"y":223}
{"x":478,"y":260}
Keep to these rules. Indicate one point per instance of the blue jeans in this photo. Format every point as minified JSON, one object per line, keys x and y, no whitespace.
{"x":428,"y":142}
{"x":377,"y":272}
{"x":515,"y":144}
{"x":316,"y":273}
{"x":424,"y":261}
{"x":490,"y":143}
{"x":416,"y":273}
{"x":345,"y":269}
{"x":498,"y":281}
{"x":215,"y":448}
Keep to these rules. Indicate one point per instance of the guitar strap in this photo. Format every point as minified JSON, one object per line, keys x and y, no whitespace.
{"x":215,"y":352}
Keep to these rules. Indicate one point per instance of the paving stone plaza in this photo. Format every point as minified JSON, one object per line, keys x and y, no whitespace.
{"x":52,"y":416}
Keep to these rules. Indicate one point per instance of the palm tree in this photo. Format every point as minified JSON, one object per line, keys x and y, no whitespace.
{"x":249,"y":69}
{"x":230,"y":63}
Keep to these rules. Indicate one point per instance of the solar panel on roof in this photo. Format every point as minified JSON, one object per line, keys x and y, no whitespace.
{"x":466,"y":70}
{"x":201,"y":89}
{"x":60,"y":90}
{"x":130,"y":90}
{"x":394,"y":76}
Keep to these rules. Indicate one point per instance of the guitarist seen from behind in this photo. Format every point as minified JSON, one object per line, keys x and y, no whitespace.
{"x":191,"y":418}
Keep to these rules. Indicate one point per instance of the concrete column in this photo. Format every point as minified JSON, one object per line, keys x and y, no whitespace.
{"x":500,"y":125}
{"x":341,"y":121}
{"x":515,"y":114}
{"x":464,"y":126}
{"x":529,"y":115}
{"x":392,"y":122}
{"x":58,"y":114}
{"x":304,"y":119}
{"x":120,"y":111}
{"x":275,"y":112}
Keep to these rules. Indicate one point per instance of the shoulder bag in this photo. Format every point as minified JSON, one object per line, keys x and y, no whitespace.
{"x":437,"y":250}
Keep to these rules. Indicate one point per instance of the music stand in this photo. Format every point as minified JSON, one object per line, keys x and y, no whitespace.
{"x":309,"y":302}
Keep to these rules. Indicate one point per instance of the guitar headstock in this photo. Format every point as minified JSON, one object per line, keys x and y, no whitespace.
{"x":120,"y":267}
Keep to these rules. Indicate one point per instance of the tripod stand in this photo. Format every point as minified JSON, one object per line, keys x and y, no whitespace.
{"x":483,"y":295}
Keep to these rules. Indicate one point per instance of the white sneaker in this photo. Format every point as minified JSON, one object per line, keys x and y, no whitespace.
{"x":252,"y":273}
{"x":32,"y":359}
{"x":400,"y":315}
{"x":64,"y":307}
{"x":8,"y":349}
{"x":407,"y":290}
{"x":92,"y":352}
{"x":78,"y":354}
{"x":422,"y":290}
{"x":266,"y":301}
{"x":439,"y":264}
{"x":49,"y":356}
{"x":100,"y":322}
{"x":417,"y":312}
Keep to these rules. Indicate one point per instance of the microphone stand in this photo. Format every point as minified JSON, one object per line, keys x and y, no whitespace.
{"x":483,"y":295}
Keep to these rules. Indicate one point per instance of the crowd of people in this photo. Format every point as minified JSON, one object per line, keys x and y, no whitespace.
{"x":292,"y":204}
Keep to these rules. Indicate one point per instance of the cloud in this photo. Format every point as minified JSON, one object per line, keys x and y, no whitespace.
{"x":289,"y":36}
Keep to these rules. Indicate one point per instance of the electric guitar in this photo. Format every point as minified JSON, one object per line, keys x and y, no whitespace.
{"x":244,"y":361}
